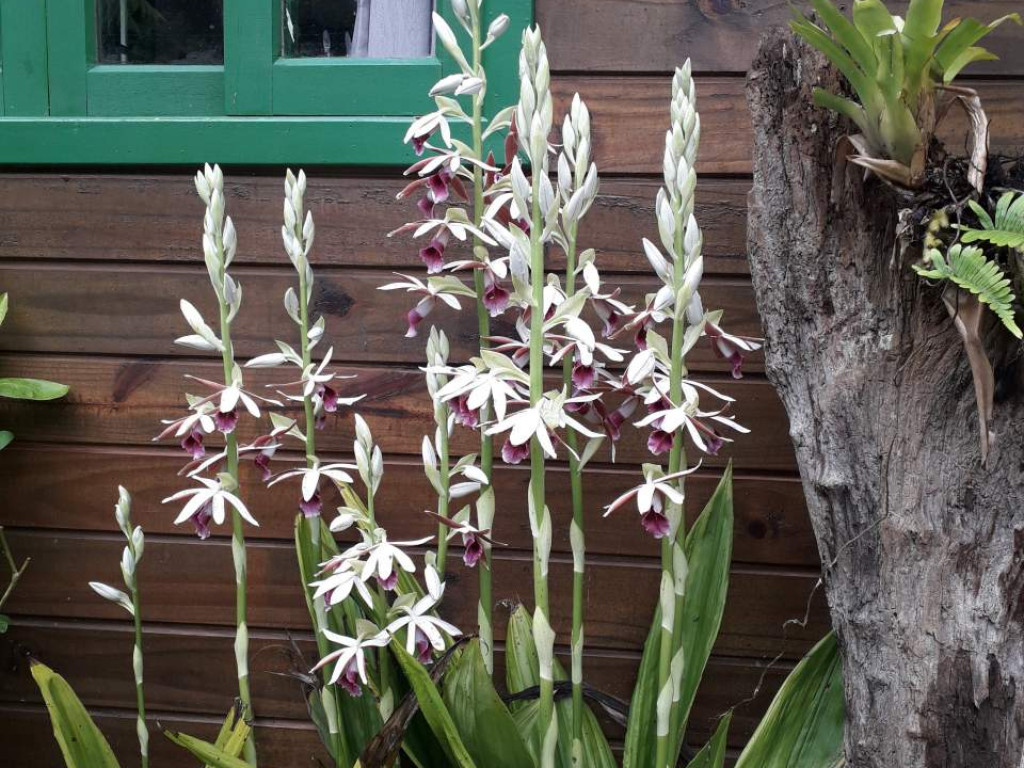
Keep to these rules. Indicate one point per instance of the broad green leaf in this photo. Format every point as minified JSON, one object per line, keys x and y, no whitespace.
{"x":713,"y":753}
{"x":5,"y":623}
{"x":205,"y":751}
{"x":80,"y":741}
{"x":522,"y":671}
{"x":5,"y":439}
{"x":709,"y":552}
{"x":484,"y":723}
{"x":31,"y":389}
{"x":803,"y":727}
{"x":433,"y":708}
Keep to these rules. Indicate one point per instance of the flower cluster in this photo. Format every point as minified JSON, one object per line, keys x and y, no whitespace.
{"x":372,"y":569}
{"x":218,"y":410}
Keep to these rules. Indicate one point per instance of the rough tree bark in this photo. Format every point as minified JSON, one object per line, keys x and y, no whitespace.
{"x":922,"y":545}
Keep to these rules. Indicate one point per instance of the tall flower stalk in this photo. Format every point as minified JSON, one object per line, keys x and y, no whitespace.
{"x":445,"y":179}
{"x":131,"y":602}
{"x":577,"y":187}
{"x":315,"y":390}
{"x":218,"y":411}
{"x":534,"y":117}
{"x":658,"y":376}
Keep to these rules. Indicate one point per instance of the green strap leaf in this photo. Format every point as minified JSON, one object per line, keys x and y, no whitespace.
{"x":3,"y":307}
{"x":522,"y":671}
{"x":803,"y":727}
{"x":5,"y":438}
{"x":433,"y":708}
{"x":31,"y":389}
{"x":709,"y":554}
{"x":484,"y":723}
{"x":713,"y":753}
{"x":80,"y":741}
{"x":210,"y":755}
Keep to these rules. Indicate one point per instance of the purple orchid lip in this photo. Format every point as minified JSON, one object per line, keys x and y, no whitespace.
{"x":201,"y":521}
{"x":659,"y":442}
{"x":583,"y":376}
{"x":390,"y":582}
{"x":192,"y":444}
{"x":262,"y":462}
{"x":349,"y":680}
{"x":514,"y":454}
{"x":423,"y":650}
{"x":226,"y":422}
{"x":464,"y":415}
{"x":433,"y":256}
{"x":655,"y":523}
{"x":312,"y":507}
{"x":474,"y":550}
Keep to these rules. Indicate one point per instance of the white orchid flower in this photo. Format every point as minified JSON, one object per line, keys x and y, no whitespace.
{"x":350,"y":659}
{"x":208,"y":501}
{"x":425,"y":631}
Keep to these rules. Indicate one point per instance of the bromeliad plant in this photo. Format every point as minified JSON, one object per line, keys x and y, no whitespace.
{"x":897,"y":67}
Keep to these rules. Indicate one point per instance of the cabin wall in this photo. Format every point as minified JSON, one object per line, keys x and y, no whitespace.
{"x":95,"y":264}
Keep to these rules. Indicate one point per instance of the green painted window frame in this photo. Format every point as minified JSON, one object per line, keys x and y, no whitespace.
{"x":60,"y":107}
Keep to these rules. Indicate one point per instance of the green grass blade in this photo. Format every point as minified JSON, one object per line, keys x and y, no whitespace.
{"x":803,"y":727}
{"x":80,"y":741}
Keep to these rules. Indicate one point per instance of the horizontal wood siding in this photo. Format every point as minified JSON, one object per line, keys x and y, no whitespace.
{"x":95,"y":265}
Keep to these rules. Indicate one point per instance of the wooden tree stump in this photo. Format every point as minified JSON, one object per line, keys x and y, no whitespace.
{"x":922,"y":546}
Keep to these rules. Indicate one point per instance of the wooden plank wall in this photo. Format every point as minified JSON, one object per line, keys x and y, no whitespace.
{"x":95,"y":265}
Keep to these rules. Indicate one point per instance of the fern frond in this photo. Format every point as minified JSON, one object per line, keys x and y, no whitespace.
{"x":968,"y":268}
{"x":1006,"y":229}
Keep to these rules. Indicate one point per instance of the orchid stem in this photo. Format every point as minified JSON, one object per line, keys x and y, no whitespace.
{"x":675,"y":465}
{"x":443,"y":498}
{"x":486,"y":605}
{"x":140,"y":698}
{"x":546,"y":720}
{"x":312,"y":526}
{"x":576,"y":488}
{"x":237,"y":536}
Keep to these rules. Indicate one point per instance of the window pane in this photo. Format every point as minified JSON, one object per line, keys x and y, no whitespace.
{"x":160,"y":31}
{"x":386,"y":29}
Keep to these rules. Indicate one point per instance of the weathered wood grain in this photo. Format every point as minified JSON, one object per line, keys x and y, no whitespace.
{"x":191,"y":583}
{"x":120,"y":401}
{"x":718,"y":35}
{"x":134,"y":310}
{"x":771,"y":524}
{"x":124,"y":218}
{"x":630,"y":116}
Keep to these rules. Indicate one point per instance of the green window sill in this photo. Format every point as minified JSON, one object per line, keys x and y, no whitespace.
{"x":191,"y":140}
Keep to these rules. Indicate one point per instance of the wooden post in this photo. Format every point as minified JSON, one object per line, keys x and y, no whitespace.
{"x":922,"y":545}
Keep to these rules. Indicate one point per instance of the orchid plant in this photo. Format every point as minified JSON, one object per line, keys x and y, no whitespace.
{"x":130,"y":601}
{"x":556,"y":387}
{"x":212,"y":499}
